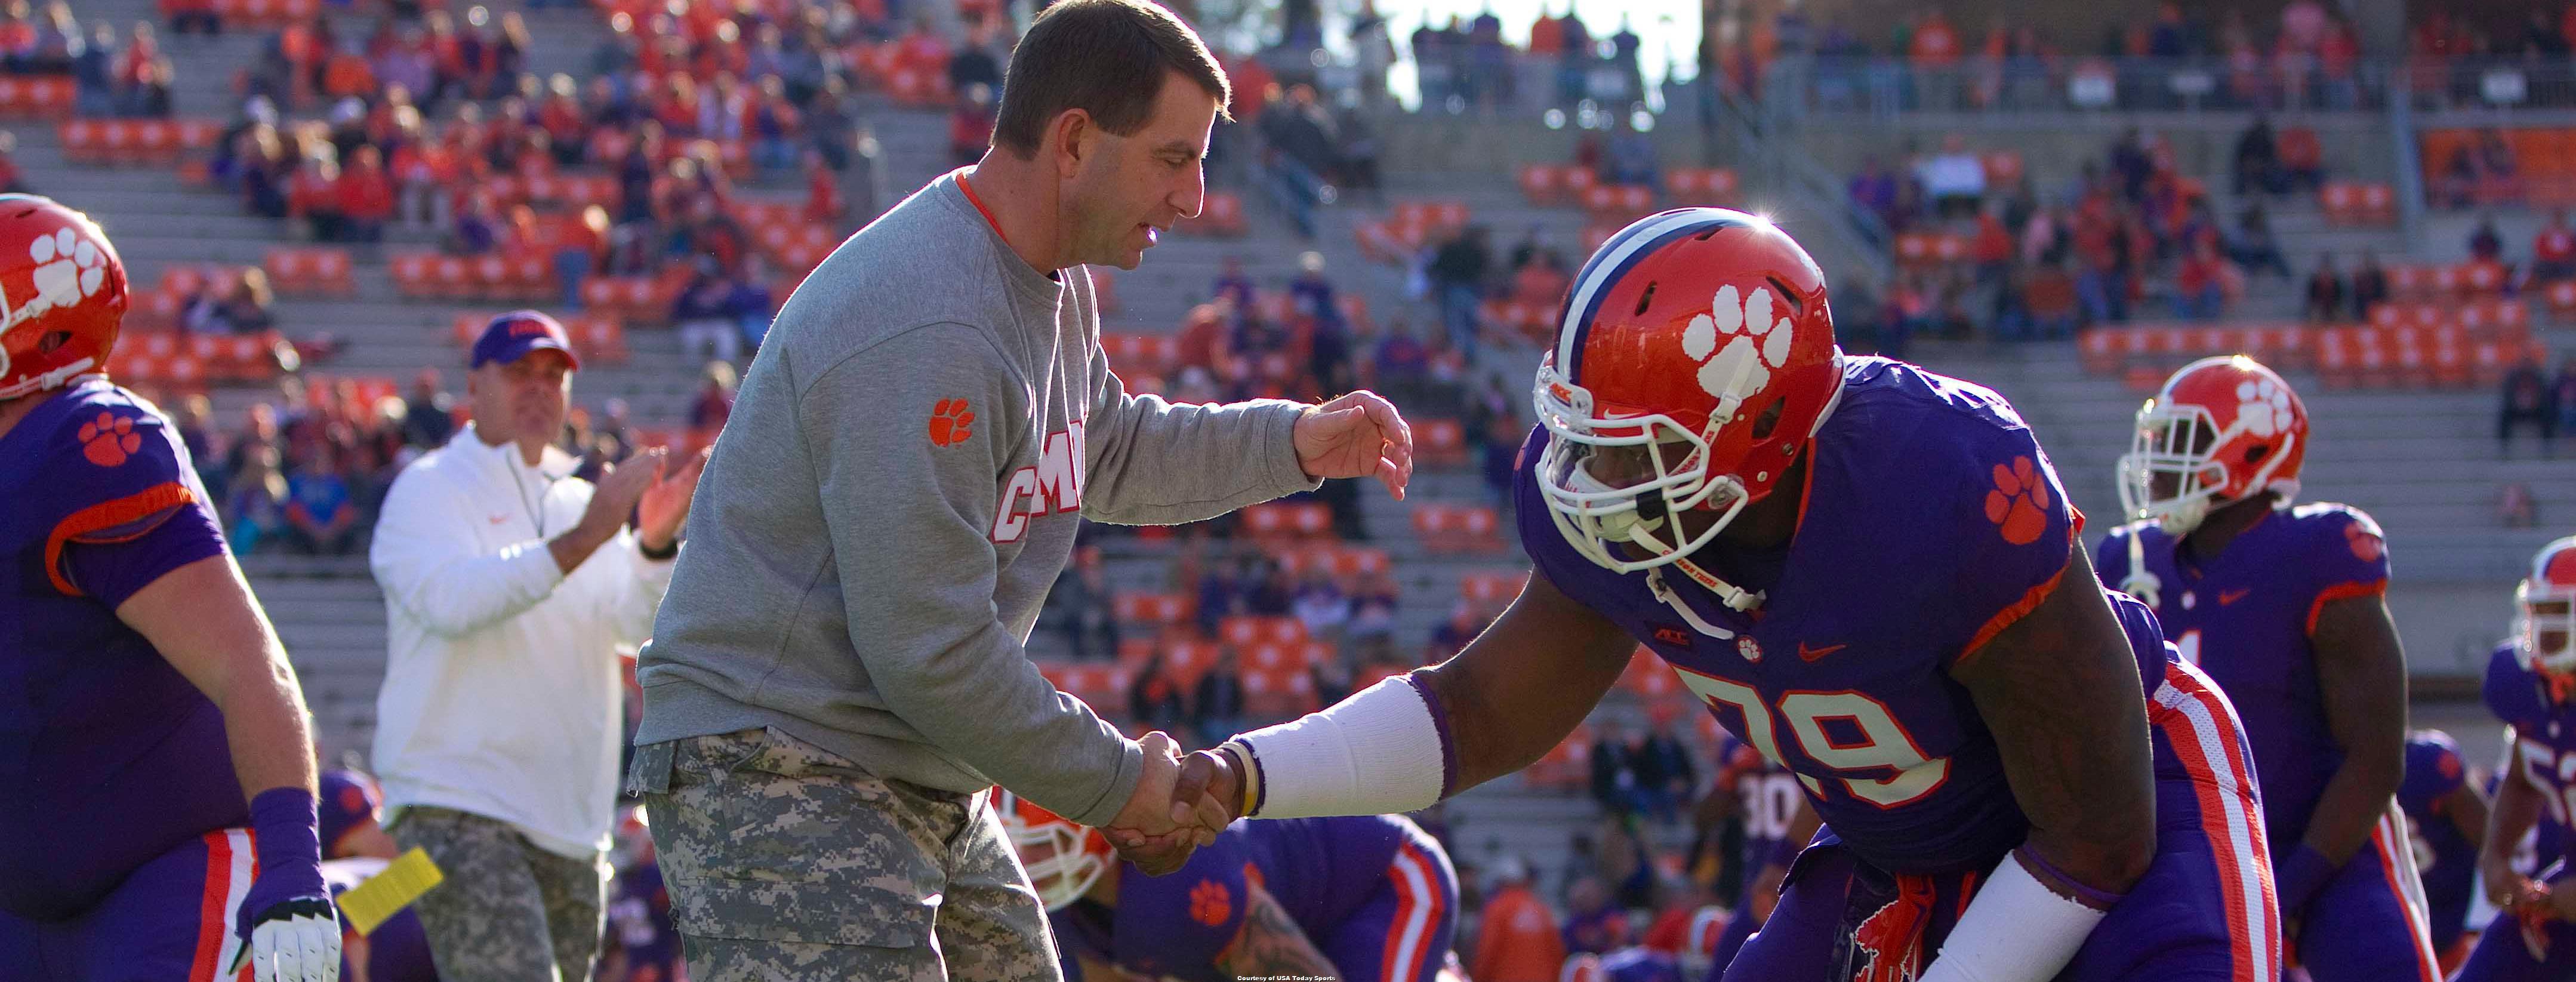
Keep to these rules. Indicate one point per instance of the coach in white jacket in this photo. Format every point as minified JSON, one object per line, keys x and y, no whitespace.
{"x":508,"y":586}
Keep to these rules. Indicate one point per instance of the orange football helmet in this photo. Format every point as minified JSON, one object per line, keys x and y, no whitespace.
{"x":1063,"y":859}
{"x":62,"y":295}
{"x":2221,"y":430}
{"x":2544,"y":627}
{"x":1694,"y":357}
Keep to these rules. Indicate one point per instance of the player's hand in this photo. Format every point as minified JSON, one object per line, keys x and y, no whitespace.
{"x":296,"y":940}
{"x":664,"y":505}
{"x":620,"y":487}
{"x":1356,"y":435}
{"x":1209,"y":791}
{"x":1143,"y":830}
{"x":2506,"y":887}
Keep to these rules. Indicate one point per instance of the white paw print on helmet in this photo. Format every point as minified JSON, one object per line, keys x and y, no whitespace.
{"x":69,"y":267}
{"x":1753,"y":342}
{"x":2264,"y":406}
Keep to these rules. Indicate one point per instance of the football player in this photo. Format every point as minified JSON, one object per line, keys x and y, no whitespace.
{"x":159,"y":773}
{"x":2447,"y":812}
{"x":1777,"y":822}
{"x":1868,"y":572}
{"x":1369,"y":899}
{"x":2530,"y":681}
{"x":2283,"y":606}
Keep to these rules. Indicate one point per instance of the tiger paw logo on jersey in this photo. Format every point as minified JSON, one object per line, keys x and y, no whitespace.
{"x":2019,"y":503}
{"x":1755,"y":342}
{"x":1210,"y":903}
{"x":1892,"y":937}
{"x":951,"y":422}
{"x":109,"y":440}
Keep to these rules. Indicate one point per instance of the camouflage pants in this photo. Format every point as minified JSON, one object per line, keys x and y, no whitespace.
{"x":507,"y":911}
{"x":788,"y":863}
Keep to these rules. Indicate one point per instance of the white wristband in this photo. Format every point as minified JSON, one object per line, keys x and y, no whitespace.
{"x":2016,"y":930}
{"x":1378,"y":752}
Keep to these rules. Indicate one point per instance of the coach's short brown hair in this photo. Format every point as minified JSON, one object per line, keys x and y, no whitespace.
{"x":1105,"y":57}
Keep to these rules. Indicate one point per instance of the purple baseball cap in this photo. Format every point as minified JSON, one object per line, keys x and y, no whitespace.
{"x":347,"y":798}
{"x":512,"y":335}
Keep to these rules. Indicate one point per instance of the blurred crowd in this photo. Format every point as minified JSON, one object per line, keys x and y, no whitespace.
{"x":112,"y":74}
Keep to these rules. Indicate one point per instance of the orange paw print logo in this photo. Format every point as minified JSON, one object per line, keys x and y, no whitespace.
{"x":1210,"y":902}
{"x":951,"y":422}
{"x":2019,"y":502}
{"x":108,"y":440}
{"x":2366,"y":544}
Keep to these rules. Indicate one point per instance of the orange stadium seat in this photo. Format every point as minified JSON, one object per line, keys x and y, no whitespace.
{"x":1338,"y":561}
{"x":1278,"y":692}
{"x":1150,"y":354}
{"x":1440,"y":443}
{"x":309,"y":271}
{"x":1700,"y":185}
{"x":1456,"y":528}
{"x":1288,"y":520}
{"x":1244,"y":631}
{"x":36,"y":96}
{"x":2003,"y":169}
{"x":1489,"y":590}
{"x":1546,"y":185}
{"x":1222,"y":215}
{"x":1157,"y":609}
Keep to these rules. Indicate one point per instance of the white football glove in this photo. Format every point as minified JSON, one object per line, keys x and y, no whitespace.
{"x":295,"y":941}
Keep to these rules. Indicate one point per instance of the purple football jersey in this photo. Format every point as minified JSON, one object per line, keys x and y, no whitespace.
{"x":1932,"y":521}
{"x":2543,"y":742}
{"x":110,"y":755}
{"x":1322,"y":871}
{"x":1768,"y":797}
{"x":2444,"y":859}
{"x":2245,"y":617}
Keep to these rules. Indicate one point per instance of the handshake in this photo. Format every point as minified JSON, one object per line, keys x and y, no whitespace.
{"x":1180,"y":804}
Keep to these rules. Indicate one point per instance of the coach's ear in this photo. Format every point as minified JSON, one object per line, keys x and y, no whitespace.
{"x":1072,"y":138}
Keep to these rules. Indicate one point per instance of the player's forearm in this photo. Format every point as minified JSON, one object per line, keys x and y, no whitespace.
{"x":2354,"y":801}
{"x":1518,"y":689}
{"x":265,"y":724}
{"x":2467,"y":808}
{"x":2516,"y":809}
{"x":1271,"y":945}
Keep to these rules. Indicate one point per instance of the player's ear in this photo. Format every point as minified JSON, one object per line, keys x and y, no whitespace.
{"x":1073,"y":137}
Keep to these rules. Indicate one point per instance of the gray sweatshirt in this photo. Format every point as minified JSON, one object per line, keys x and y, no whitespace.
{"x":894,"y":493}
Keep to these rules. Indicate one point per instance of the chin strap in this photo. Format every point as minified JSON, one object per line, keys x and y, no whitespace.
{"x":2140,"y":583}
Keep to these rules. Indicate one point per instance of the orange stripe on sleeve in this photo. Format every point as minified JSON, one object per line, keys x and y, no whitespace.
{"x":2341,"y":591}
{"x":107,"y":515}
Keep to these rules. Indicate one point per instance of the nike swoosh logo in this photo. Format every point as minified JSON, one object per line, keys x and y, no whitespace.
{"x":2232,"y":596}
{"x":1811,"y":654}
{"x":498,"y":519}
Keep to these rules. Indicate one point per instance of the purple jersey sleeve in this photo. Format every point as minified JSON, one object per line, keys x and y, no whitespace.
{"x":1178,"y":924}
{"x":132,"y":509}
{"x":2347,"y":556}
{"x":2003,"y":567}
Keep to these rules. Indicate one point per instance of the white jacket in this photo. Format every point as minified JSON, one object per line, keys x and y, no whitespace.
{"x":502,"y":692}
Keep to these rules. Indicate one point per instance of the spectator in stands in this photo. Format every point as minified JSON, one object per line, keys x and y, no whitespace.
{"x":1541,"y":281}
{"x":580,"y":246}
{"x":970,"y":127}
{"x":365,"y":195}
{"x":1154,"y":699}
{"x":1517,"y":938}
{"x":1630,"y":161}
{"x":2199,"y":293}
{"x":242,"y":310}
{"x":2485,"y":243}
{"x":2527,"y":399}
{"x":1321,"y":606}
{"x":1265,"y":588}
{"x":2258,"y":160}
{"x":477,"y":230}
{"x":1373,"y":609}
{"x":1592,"y":923}
{"x":2326,"y":293}
{"x":2562,"y":392}
{"x":714,"y":402}
{"x":2553,"y":249}
{"x":1216,"y":703}
{"x":1614,"y":771}
{"x":429,"y":413}
{"x":2369,"y":284}
{"x":704,"y":313}
{"x":1954,"y":179}
{"x":1082,"y":607}
{"x":2302,"y":160}
{"x":2516,"y":508}
{"x":321,"y":515}
{"x":1665,"y":777}
{"x":1457,"y":272}
{"x":1452,"y":635}
{"x":2254,"y":247}
{"x":1874,"y":188}
{"x":973,"y":64}
{"x":255,"y":500}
